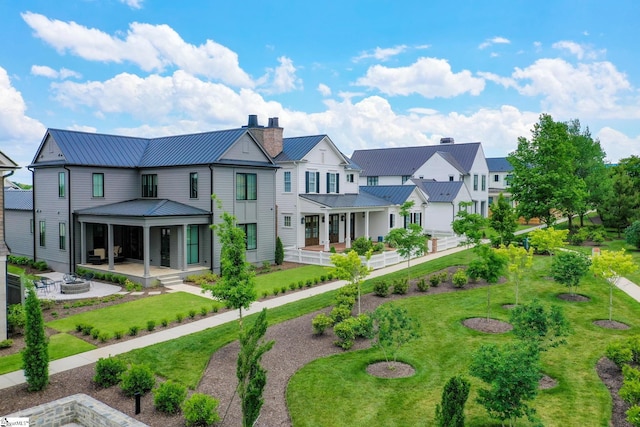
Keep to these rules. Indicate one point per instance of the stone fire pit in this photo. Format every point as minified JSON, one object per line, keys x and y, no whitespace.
{"x":75,"y":287}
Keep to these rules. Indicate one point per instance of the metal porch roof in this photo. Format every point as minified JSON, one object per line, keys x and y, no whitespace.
{"x":144,"y":208}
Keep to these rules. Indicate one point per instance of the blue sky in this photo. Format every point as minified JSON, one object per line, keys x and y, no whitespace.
{"x":369,"y":74}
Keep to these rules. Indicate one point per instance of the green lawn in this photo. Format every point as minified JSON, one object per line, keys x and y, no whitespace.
{"x":122,"y":316}
{"x":278,"y":279}
{"x":444,"y":350}
{"x":60,"y":345}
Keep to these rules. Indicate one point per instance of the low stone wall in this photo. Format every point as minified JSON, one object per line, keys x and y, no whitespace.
{"x":78,"y":408}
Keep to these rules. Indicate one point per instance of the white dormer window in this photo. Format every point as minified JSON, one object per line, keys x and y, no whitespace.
{"x":350,"y":177}
{"x":333,"y":184}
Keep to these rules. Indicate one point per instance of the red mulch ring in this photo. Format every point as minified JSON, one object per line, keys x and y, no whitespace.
{"x":489,"y":326}
{"x":611,"y":324}
{"x":574,"y":297}
{"x":390,"y":370}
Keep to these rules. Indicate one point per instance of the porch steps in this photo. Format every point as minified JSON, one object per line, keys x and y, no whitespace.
{"x":169,"y":280}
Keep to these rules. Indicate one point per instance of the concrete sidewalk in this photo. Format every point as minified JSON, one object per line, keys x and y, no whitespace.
{"x":86,"y":358}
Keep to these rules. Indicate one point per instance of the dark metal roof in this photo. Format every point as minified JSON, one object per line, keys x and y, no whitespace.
{"x":94,"y":149}
{"x":439,"y":191}
{"x":144,"y":208}
{"x":19,"y":200}
{"x":499,"y":164}
{"x":361,"y":200}
{"x":404,"y":161}
{"x":393,"y":194}
{"x":294,"y":149}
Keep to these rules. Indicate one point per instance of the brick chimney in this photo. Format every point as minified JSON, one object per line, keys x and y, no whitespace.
{"x":269,"y":137}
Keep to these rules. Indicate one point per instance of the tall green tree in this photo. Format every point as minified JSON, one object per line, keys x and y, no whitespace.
{"x":468,"y":224}
{"x":236,"y":285}
{"x":543,"y":171}
{"x":410,"y":242}
{"x":503,"y":220}
{"x":620,"y":206}
{"x":252,"y":377}
{"x":35,"y":357}
{"x":631,"y":166}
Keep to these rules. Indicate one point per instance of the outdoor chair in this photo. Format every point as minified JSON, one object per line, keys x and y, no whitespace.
{"x":40,"y":286}
{"x":88,"y":277}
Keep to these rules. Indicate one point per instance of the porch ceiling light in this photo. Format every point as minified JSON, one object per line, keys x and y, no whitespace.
{"x":341,"y":217}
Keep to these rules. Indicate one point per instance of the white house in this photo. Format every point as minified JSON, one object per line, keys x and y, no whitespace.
{"x":500,"y":173}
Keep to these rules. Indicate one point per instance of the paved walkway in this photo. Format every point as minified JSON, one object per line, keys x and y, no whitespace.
{"x":86,"y":358}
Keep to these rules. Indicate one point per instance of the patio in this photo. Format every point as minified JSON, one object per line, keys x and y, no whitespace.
{"x":96,"y":289}
{"x":135,"y":272}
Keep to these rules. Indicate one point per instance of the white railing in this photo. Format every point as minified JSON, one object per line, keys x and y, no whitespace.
{"x":449,"y":242}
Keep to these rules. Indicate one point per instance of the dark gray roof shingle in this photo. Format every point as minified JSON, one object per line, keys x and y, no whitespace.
{"x":19,"y":200}
{"x":393,"y":194}
{"x":144,"y":208}
{"x":499,"y":164}
{"x":294,"y":149}
{"x":439,"y":191}
{"x":361,"y":200}
{"x":406,"y":160}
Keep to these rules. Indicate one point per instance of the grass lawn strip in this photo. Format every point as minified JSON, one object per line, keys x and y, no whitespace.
{"x":121,"y":317}
{"x":60,"y":346}
{"x":270,"y":281}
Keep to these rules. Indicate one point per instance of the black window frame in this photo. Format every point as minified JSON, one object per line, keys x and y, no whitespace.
{"x":149,"y":185}
{"x":243,"y":188}
{"x":193,"y":185}
{"x":99,"y":193}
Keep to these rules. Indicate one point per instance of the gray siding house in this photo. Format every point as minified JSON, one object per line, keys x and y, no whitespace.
{"x":6,"y":165}
{"x":107,"y":199}
{"x":18,"y":212}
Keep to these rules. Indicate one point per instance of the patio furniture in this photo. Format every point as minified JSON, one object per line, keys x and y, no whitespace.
{"x":40,"y":286}
{"x":117,"y":254}
{"x":88,"y":277}
{"x":50,"y":284}
{"x":96,"y":256}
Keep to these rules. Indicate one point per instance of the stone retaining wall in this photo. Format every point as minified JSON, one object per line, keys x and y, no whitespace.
{"x":78,"y":408}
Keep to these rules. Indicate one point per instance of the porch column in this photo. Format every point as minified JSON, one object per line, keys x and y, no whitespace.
{"x":83,"y":243}
{"x":366,"y":224}
{"x":326,"y":231}
{"x":185,"y":266}
{"x":347,"y":237}
{"x":110,"y":245}
{"x":145,"y":248}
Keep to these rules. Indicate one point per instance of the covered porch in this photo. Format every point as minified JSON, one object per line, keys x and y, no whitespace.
{"x":135,"y":271}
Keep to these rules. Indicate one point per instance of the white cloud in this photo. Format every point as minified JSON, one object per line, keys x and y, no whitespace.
{"x":20,"y":134}
{"x":617,"y":145}
{"x":580,"y":51}
{"x":495,"y":40}
{"x":324,"y":89}
{"x":134,"y":4}
{"x":83,"y":128}
{"x":150,"y":47}
{"x":429,"y":77}
{"x":45,"y":71}
{"x":381,"y":54}
{"x":283,"y":78}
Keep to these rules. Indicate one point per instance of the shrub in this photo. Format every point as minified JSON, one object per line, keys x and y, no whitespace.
{"x":151,"y":325}
{"x":422,"y":285}
{"x":444,"y":276}
{"x":164,"y":322}
{"x":460,"y":278}
{"x":365,"y":326}
{"x":330,"y":277}
{"x":283,"y":289}
{"x":200,"y":410}
{"x":400,"y":286}
{"x":633,"y":415}
{"x":104,"y":336}
{"x":169,"y":396}
{"x":16,"y":318}
{"x":320,"y":323}
{"x":133,"y":330}
{"x":40,"y":265}
{"x":476,"y":269}
{"x":215,"y":308}
{"x":316,"y":280}
{"x":579,"y":236}
{"x":597,"y":238}
{"x":619,"y":353}
{"x":632,"y":234}
{"x":293,"y":286}
{"x":362,"y":245}
{"x":275,"y":291}
{"x":118,"y":334}
{"x":179,"y":317}
{"x":300,"y":285}
{"x":203,"y":311}
{"x":309,"y":283}
{"x":338,"y":314}
{"x":381,"y":288}
{"x":132,"y":286}
{"x":450,"y":412}
{"x":332,"y":249}
{"x":630,"y":390}
{"x":279,"y":256}
{"x":323,"y":278}
{"x":47,"y":304}
{"x":434,"y":279}
{"x":192,"y":313}
{"x":95,"y":333}
{"x":346,"y":331}
{"x":343,"y":300}
{"x":266,"y":266}
{"x":138,"y":379}
{"x":265,"y":294}
{"x":6,"y":343}
{"x":109,"y":371}
{"x":86,"y":329}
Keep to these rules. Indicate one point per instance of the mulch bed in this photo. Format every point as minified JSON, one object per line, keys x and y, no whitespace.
{"x":546,"y":382}
{"x":574,"y":297}
{"x":489,"y":326}
{"x":611,"y":324}
{"x":390,"y":370}
{"x":295,"y":346}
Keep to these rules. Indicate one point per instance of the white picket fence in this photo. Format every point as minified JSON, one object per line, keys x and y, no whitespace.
{"x":376,"y":262}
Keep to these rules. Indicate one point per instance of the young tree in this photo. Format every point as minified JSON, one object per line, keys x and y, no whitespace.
{"x":569,"y":267}
{"x":512,"y":373}
{"x":489,"y":266}
{"x":252,"y":377}
{"x":547,"y":240}
{"x":279,"y":258}
{"x":393,"y":328}
{"x":236,"y":286}
{"x":632,"y":234}
{"x":409,"y":242}
{"x":350,"y":267}
{"x":503,"y":220}
{"x":450,"y":413}
{"x":35,"y":357}
{"x":519,"y":261}
{"x":468,"y":224}
{"x":538,"y":326}
{"x":612,"y":265}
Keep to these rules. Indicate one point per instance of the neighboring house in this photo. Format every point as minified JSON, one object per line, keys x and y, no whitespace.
{"x":444,"y":203}
{"x":18,"y":211}
{"x":446,"y":162}
{"x":6,"y":165}
{"x":107,"y":198}
{"x":500,"y":173}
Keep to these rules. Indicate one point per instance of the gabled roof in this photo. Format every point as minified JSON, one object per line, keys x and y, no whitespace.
{"x":499,"y":164}
{"x":439,"y":191}
{"x":361,"y":200}
{"x":19,"y":200}
{"x":405,"y":161}
{"x":94,"y":149}
{"x":294,"y":149}
{"x":393,"y":194}
{"x":144,"y":208}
